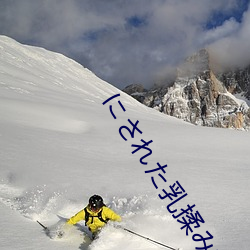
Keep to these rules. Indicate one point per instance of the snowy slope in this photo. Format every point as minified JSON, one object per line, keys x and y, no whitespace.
{"x":59,"y":145}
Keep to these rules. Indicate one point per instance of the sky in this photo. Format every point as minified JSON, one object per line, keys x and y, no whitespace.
{"x":132,"y":41}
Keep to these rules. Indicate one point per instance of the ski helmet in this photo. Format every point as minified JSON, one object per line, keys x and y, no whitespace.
{"x":95,"y":202}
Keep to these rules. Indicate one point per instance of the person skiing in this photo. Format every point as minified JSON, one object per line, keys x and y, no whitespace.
{"x":95,"y":214}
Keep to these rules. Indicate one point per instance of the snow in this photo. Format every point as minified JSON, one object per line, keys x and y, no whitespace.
{"x":242,"y":99}
{"x":60,"y":144}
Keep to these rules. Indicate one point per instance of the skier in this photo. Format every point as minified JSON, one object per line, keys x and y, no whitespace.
{"x":95,"y":214}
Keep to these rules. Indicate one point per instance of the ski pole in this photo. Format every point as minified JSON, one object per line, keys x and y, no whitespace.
{"x":45,"y":228}
{"x":148,"y":239}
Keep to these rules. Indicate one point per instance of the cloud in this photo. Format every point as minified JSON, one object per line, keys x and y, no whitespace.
{"x":233,"y":48}
{"x":228,"y":28}
{"x":125,"y":42}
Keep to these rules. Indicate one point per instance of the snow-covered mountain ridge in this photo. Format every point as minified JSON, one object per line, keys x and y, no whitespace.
{"x":60,"y":144}
{"x":201,"y":95}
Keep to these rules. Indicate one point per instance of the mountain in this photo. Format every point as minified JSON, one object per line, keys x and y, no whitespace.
{"x":237,"y":81}
{"x":60,"y":144}
{"x":201,"y":96}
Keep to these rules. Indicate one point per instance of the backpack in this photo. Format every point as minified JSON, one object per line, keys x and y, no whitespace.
{"x":99,"y":216}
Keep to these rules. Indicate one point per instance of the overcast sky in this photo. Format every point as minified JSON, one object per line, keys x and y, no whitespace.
{"x":131,"y":41}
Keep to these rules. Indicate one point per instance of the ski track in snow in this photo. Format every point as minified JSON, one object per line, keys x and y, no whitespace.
{"x":43,"y":117}
{"x":40,"y":204}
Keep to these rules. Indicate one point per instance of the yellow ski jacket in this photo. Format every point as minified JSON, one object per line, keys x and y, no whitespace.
{"x":94,"y":223}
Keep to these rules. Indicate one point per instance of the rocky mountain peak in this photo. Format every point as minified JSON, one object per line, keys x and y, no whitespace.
{"x":200,"y":96}
{"x":196,"y":64}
